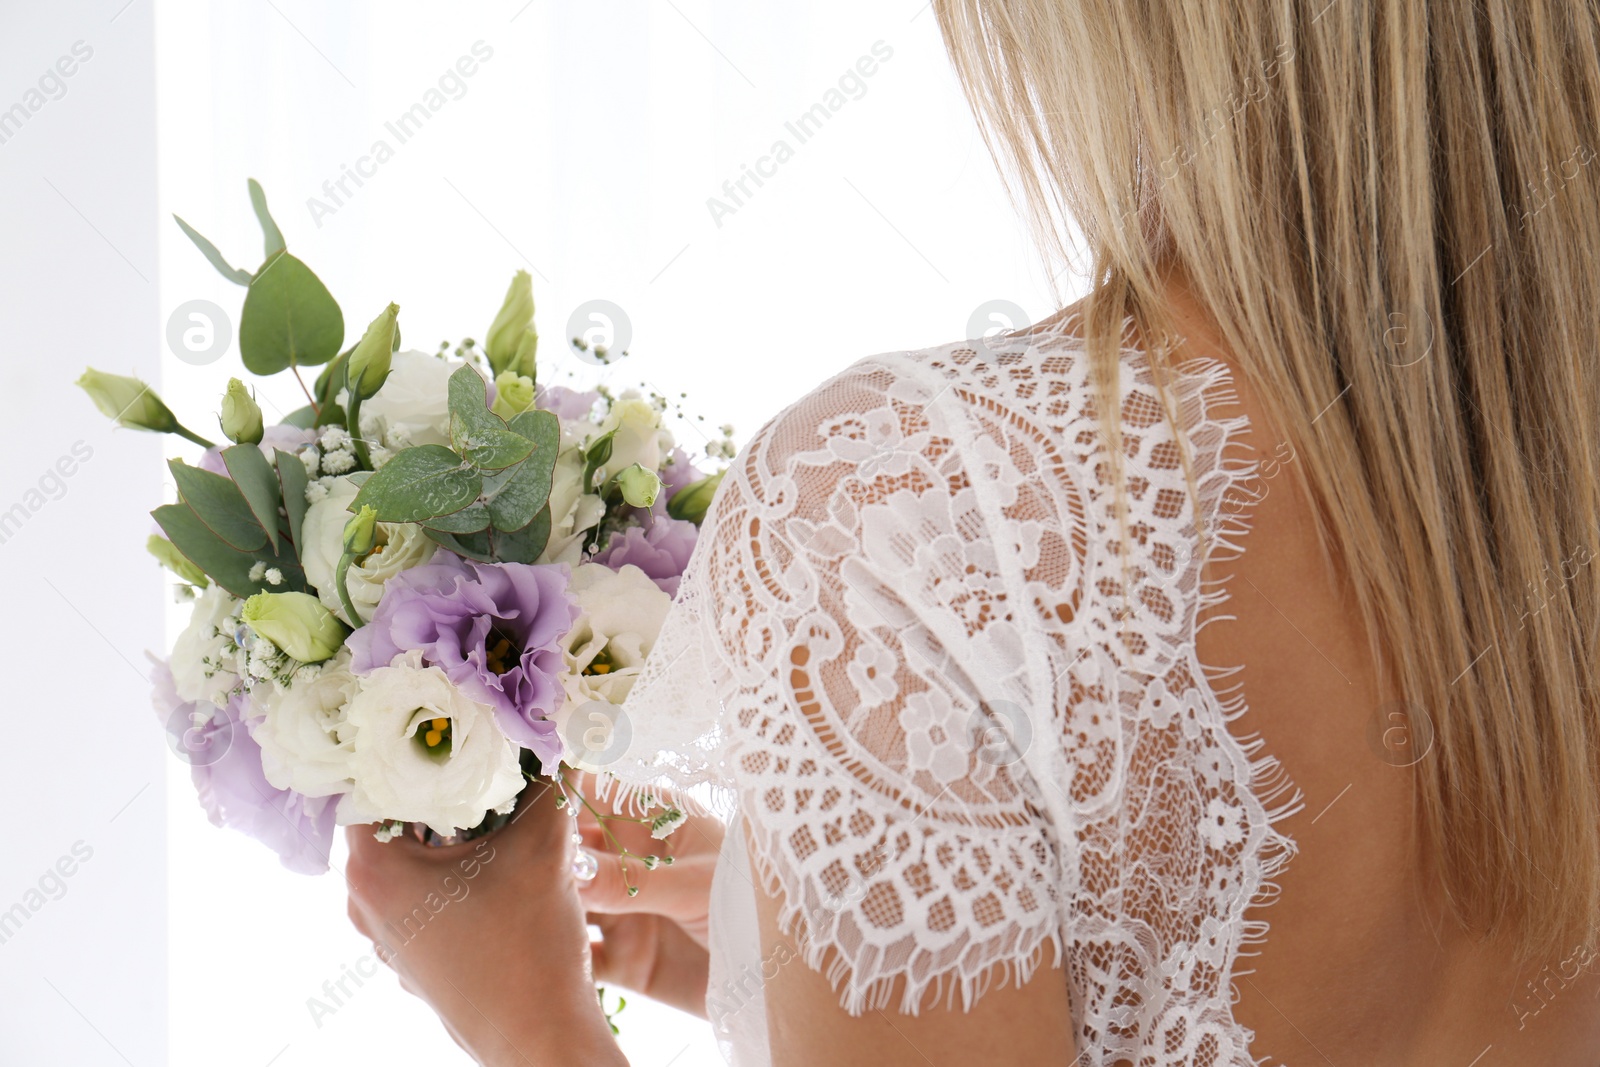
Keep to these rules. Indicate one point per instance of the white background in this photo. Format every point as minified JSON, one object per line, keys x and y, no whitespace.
{"x":583,"y":150}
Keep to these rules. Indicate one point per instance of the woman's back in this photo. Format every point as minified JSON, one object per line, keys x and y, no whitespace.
{"x":1361,"y":965}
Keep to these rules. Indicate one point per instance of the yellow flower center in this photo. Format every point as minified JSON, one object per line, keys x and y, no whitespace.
{"x":435,"y":736}
{"x":601,"y":664}
{"x":500,"y":652}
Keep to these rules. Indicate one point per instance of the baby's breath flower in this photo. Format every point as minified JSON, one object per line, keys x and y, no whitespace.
{"x":260,"y":664}
{"x":333,"y":438}
{"x":337,"y":462}
{"x":666,"y":822}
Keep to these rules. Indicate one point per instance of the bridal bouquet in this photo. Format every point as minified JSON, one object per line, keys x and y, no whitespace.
{"x":434,"y":583}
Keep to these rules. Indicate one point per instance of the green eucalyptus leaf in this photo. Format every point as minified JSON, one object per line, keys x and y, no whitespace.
{"x":304,"y":417}
{"x":470,"y":519}
{"x":524,"y":545}
{"x":269,"y":229}
{"x":258,"y":482}
{"x":538,"y":426}
{"x":225,"y":565}
{"x":219,"y":504}
{"x":292,"y":478}
{"x":471,"y":546}
{"x":234,"y":274}
{"x":480,"y":435}
{"x":419,"y":484}
{"x":330,"y":415}
{"x":289,"y":318}
{"x":515,"y":496}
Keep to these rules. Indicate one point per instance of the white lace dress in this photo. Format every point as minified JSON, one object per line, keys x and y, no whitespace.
{"x":900,"y":659}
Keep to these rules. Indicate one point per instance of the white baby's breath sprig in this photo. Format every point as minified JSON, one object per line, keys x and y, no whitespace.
{"x":666,"y":822}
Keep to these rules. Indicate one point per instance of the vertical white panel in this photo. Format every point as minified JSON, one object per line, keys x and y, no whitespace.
{"x":83,"y":874}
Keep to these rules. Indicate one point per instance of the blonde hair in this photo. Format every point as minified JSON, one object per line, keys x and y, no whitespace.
{"x":1387,"y":208}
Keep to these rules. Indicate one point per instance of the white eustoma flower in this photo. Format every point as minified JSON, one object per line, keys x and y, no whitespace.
{"x":414,"y":400}
{"x":470,"y":769}
{"x":202,"y":657}
{"x":305,"y":743}
{"x":401,"y":546}
{"x":572,"y":511}
{"x":640,"y":438}
{"x":622,"y":613}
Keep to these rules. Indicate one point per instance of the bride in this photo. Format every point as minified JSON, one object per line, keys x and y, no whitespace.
{"x":1021,"y":676}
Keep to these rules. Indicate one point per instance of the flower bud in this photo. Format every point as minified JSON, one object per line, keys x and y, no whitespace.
{"x":167,"y":554}
{"x":692,"y":501}
{"x":241,"y":415}
{"x":513,"y":394}
{"x":361,"y":532}
{"x":369,"y":361}
{"x":516,"y":314}
{"x":128,"y":401}
{"x":295,"y":622}
{"x":639,"y":485}
{"x":527,"y":351}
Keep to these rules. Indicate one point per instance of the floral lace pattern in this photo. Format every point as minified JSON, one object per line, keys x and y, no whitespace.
{"x":963,"y":720}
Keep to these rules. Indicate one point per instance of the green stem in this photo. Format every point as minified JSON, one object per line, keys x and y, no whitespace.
{"x":184,"y":432}
{"x":352,"y":423}
{"x":356,"y":621}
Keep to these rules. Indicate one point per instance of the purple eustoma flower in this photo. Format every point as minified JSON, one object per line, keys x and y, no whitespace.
{"x":225,"y":764}
{"x":495,"y":629}
{"x":661,"y":549}
{"x":567,"y":403}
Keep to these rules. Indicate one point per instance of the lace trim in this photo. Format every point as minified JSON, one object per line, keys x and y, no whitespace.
{"x":1237,"y":477}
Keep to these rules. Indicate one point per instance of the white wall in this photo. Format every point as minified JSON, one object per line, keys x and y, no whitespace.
{"x":585,"y":150}
{"x":83,"y":980}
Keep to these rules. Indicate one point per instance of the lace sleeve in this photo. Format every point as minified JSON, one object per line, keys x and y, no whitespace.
{"x":843,"y":658}
{"x":954,"y":689}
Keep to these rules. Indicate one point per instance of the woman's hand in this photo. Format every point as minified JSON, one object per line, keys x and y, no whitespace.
{"x":654,"y":941}
{"x":491,"y":934}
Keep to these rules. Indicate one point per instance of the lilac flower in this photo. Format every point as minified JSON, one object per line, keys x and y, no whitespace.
{"x":495,"y":629}
{"x":566,"y":403}
{"x":225,"y":764}
{"x":661,"y":549}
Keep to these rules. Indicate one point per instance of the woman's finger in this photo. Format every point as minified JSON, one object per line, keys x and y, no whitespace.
{"x":678,"y":892}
